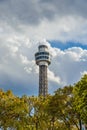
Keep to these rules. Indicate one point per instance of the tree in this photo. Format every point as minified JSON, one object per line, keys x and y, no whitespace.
{"x":13,"y":111}
{"x":40,"y":115}
{"x":61,"y":109}
{"x":80,"y":92}
{"x":66,"y":109}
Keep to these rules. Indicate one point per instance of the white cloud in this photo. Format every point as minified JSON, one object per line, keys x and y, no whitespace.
{"x":23,"y":24}
{"x":28,"y":70}
{"x":67,"y":28}
{"x":35,"y":20}
{"x":69,"y":64}
{"x":83,"y":73}
{"x":66,"y":66}
{"x":24,"y":59}
{"x":53,"y":78}
{"x":12,"y":48}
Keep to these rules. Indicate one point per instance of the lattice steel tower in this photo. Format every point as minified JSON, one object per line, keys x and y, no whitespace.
{"x":42,"y":58}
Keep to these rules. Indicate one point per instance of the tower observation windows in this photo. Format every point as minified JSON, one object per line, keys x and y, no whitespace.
{"x":41,"y":53}
{"x":42,"y":57}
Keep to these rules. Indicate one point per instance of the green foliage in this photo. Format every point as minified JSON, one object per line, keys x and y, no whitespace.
{"x":13,"y":110}
{"x":65,"y":110}
{"x":80,"y":93}
{"x":61,"y":109}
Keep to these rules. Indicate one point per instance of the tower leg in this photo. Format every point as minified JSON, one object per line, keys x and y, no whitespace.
{"x":43,"y":81}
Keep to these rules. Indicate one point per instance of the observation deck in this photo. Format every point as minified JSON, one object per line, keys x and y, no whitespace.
{"x":42,"y":57}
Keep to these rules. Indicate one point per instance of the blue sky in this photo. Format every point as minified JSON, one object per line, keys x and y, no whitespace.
{"x":68,"y":44}
{"x":60,"y":24}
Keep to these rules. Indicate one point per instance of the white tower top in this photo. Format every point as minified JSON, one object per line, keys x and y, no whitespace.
{"x":42,"y":57}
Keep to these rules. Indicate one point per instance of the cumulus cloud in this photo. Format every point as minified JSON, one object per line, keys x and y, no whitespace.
{"x":17,"y":64}
{"x":83,"y":73}
{"x":25,"y":23}
{"x":69,"y":64}
{"x":38,"y":19}
{"x":53,"y":78}
{"x":33,"y":12}
{"x":19,"y":72}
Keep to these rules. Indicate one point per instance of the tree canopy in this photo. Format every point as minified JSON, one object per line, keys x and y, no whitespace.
{"x":66,"y":109}
{"x":80,"y":94}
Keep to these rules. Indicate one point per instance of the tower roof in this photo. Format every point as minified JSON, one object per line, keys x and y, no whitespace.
{"x":43,"y":45}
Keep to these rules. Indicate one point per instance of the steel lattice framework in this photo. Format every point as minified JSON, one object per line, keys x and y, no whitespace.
{"x":42,"y":58}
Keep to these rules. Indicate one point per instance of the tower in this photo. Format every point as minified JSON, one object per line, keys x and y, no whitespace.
{"x":42,"y":58}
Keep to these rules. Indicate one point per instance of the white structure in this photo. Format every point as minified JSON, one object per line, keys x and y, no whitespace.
{"x":42,"y":58}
